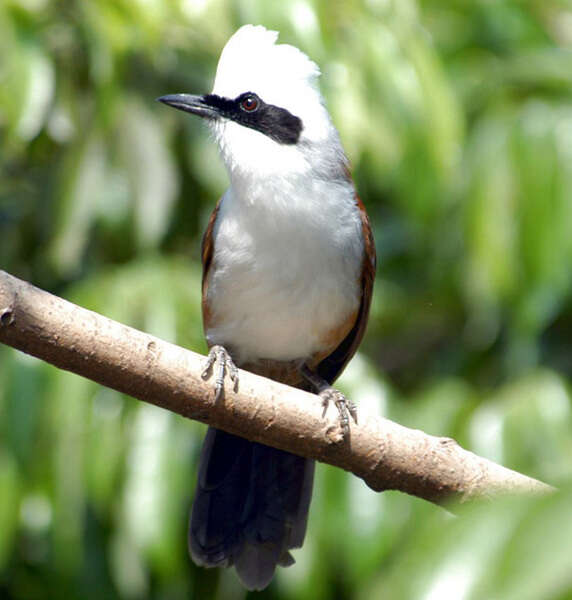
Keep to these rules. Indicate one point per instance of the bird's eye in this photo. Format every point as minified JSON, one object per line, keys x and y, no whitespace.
{"x":249,"y":103}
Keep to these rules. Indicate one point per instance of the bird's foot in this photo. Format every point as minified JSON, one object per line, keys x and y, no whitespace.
{"x":327,"y":393}
{"x":219,"y":356}
{"x":346,"y":408}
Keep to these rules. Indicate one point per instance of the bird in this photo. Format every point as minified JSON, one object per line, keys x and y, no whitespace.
{"x":288,"y":268}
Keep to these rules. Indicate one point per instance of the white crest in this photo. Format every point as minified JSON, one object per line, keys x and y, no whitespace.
{"x":251,"y":61}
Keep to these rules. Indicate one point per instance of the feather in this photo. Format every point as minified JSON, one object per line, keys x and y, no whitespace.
{"x":250,"y":507}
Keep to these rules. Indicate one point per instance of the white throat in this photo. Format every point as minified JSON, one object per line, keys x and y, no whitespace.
{"x":250,"y":154}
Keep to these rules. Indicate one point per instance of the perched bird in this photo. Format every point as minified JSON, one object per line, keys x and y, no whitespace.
{"x":288,"y":268}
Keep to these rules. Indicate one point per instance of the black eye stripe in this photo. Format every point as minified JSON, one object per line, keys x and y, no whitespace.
{"x":277,"y":123}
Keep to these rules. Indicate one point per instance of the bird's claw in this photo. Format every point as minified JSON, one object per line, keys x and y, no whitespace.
{"x":224,"y":365}
{"x":345,"y":407}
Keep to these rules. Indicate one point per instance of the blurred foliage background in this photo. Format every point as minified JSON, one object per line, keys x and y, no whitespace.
{"x":458,"y":121}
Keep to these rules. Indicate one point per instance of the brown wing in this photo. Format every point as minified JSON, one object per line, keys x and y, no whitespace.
{"x":207,"y":251}
{"x":332,"y":366}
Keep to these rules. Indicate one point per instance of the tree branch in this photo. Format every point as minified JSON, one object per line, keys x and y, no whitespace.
{"x":384,"y":454}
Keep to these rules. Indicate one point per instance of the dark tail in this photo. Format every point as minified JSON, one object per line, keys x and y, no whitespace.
{"x":250,"y":508}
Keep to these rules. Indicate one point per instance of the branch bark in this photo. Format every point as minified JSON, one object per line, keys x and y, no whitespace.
{"x":384,"y":454}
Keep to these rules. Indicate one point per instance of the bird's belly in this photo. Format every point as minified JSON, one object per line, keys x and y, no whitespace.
{"x":287,"y":308}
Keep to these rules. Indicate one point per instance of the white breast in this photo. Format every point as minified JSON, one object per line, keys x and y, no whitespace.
{"x":285,"y":270}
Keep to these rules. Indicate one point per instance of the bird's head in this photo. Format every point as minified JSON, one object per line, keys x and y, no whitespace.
{"x":265,"y":109}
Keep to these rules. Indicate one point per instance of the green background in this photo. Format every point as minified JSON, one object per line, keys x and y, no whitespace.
{"x":457,"y":118}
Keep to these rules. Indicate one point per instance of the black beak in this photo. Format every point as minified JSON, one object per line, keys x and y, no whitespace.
{"x":195,"y":105}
